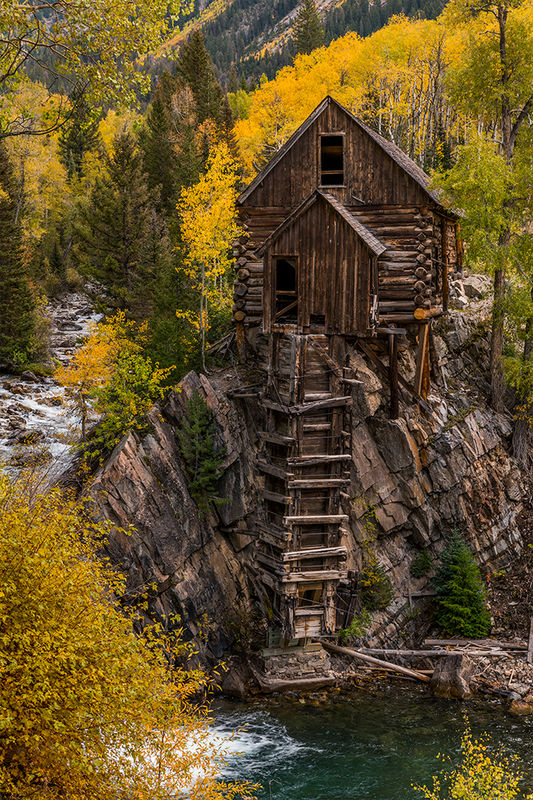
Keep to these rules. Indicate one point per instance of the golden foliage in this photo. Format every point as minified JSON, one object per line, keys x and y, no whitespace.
{"x":479,"y":776}
{"x":89,"y":709}
{"x":208,"y":228}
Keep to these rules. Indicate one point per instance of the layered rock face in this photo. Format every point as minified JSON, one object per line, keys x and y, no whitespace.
{"x":413,"y":480}
{"x":188,"y":566}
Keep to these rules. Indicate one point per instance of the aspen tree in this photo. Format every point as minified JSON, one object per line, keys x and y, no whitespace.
{"x":208,"y":228}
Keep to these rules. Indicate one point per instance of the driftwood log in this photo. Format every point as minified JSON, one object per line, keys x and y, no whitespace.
{"x":347,"y":651}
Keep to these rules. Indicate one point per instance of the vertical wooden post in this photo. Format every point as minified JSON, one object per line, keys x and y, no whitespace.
{"x":241,"y":345}
{"x":422,"y":360}
{"x":530,"y":643}
{"x":393,"y":377}
{"x":444,"y":250}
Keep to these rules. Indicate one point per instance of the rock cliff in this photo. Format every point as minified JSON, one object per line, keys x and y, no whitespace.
{"x":413,"y":480}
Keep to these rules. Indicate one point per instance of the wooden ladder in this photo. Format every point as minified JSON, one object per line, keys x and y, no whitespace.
{"x":305,"y":463}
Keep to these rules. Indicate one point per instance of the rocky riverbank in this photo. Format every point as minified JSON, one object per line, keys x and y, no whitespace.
{"x":35,"y":422}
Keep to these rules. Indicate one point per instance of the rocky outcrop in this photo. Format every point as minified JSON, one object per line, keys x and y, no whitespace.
{"x":184,"y":561}
{"x":413,"y":480}
{"x":451,"y":677}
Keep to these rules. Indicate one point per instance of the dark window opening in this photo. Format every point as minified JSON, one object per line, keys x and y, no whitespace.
{"x":311,"y":595}
{"x":331,"y":160}
{"x":317,"y":319}
{"x":286,"y":290}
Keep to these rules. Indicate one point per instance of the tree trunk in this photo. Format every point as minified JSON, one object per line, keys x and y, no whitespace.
{"x":203,"y":314}
{"x":520,"y":442}
{"x":497,"y":383}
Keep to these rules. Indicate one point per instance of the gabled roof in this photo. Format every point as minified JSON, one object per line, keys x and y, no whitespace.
{"x":372,"y":242}
{"x":392,"y":150}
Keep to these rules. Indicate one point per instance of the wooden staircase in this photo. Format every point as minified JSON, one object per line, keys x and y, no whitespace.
{"x":305,"y":465}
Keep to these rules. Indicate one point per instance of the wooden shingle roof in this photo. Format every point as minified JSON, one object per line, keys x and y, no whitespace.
{"x":364,"y":233}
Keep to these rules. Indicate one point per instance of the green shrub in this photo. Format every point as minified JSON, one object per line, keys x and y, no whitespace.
{"x":202,"y":459}
{"x":357,"y":627}
{"x":375,"y":588}
{"x":461,"y":598}
{"x":422,"y":564}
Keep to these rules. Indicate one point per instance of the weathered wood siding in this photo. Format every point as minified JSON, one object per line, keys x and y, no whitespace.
{"x":335,"y":272}
{"x":369,"y":173}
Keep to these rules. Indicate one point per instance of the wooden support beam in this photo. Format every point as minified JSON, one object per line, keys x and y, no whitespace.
{"x":312,"y":461}
{"x":421,"y":376}
{"x":275,"y":497}
{"x":393,"y":377}
{"x":347,"y":651}
{"x":318,"y":483}
{"x":317,"y":519}
{"x":383,"y":369}
{"x":317,"y":575}
{"x":319,"y":552}
{"x":276,"y":472}
{"x":276,"y":438}
{"x":318,"y":405}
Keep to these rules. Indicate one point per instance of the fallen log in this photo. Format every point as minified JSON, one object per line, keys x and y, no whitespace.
{"x":269,"y":686}
{"x":346,"y":651}
{"x":486,"y":643}
{"x":376,"y":651}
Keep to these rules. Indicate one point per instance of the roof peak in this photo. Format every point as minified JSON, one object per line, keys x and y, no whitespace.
{"x":390,"y":148}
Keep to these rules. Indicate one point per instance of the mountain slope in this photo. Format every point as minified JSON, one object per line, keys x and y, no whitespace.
{"x":255,"y":35}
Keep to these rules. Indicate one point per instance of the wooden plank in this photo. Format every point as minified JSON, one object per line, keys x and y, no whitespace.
{"x":332,"y":402}
{"x":311,"y":461}
{"x":318,"y":483}
{"x":347,"y":651}
{"x":317,"y":575}
{"x":483,"y":643}
{"x":275,"y":497}
{"x":421,"y":355}
{"x":529,"y":657}
{"x":317,"y":519}
{"x":393,"y":377}
{"x":320,"y":552}
{"x":276,"y":438}
{"x":270,"y":469}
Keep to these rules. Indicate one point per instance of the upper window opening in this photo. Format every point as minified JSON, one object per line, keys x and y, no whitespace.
{"x":331,"y":160}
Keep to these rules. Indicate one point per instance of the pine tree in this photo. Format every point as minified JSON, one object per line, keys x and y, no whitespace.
{"x":157,"y":141}
{"x":308,"y":32}
{"x":461,"y":599}
{"x":17,"y":305}
{"x":196,"y":69}
{"x":78,"y":136}
{"x":202,"y":459}
{"x":119,"y":229}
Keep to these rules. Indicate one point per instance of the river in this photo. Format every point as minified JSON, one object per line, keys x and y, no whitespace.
{"x":364,"y":746}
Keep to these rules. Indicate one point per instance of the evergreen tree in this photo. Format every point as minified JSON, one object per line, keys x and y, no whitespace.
{"x":202,"y":459}
{"x":17,"y":305}
{"x":461,"y":599}
{"x":157,"y":141}
{"x":78,"y":136}
{"x":122,"y":239}
{"x":308,"y":32}
{"x":196,"y":69}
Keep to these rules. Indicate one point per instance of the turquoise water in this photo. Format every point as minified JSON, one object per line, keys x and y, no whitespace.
{"x":364,"y":746}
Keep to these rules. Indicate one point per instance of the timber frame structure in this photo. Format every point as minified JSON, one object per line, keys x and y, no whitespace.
{"x":345,"y":245}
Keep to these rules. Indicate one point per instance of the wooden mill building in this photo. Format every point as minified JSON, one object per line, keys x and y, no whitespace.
{"x":346,"y":245}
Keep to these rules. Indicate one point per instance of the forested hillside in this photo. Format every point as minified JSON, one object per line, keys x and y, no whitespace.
{"x":250,"y":38}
